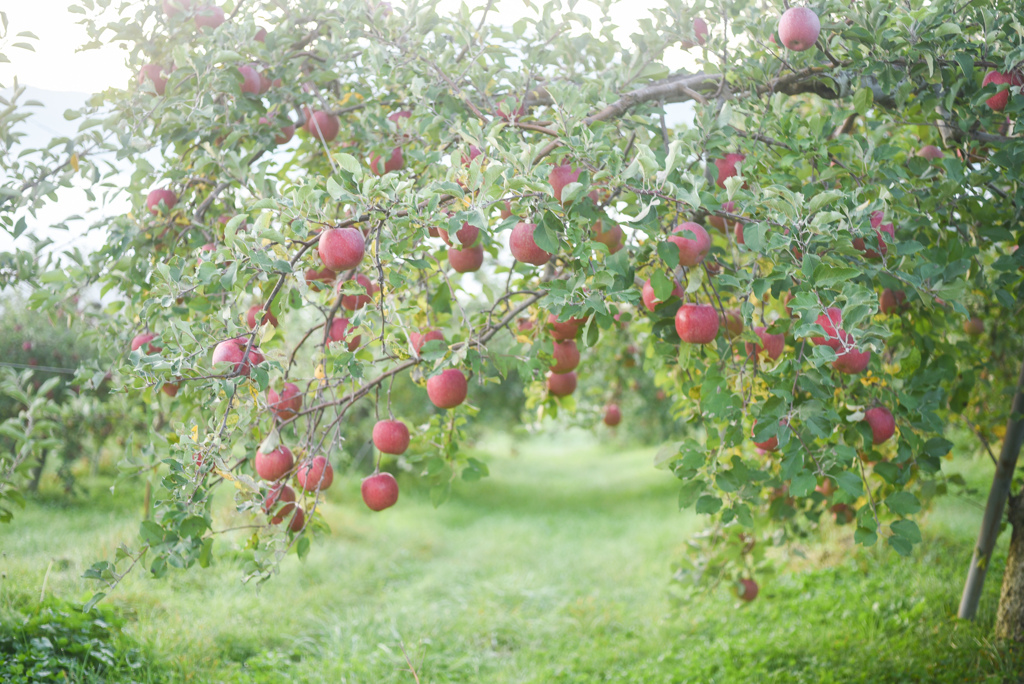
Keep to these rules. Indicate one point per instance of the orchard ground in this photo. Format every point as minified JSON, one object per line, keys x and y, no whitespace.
{"x":557,"y":568}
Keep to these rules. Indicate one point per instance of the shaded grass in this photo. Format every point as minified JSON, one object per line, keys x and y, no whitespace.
{"x":555,"y":569}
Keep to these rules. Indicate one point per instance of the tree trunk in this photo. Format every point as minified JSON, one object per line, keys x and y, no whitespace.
{"x":1010,"y":620}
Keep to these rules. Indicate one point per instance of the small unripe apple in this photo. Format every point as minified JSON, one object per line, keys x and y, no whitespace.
{"x":882,"y":422}
{"x":137,"y":341}
{"x":448,"y":388}
{"x":727,"y":167}
{"x":209,"y":16}
{"x":284,"y":494}
{"x":772,"y":345}
{"x":380,"y":491}
{"x":315,"y":474}
{"x":341,"y":249}
{"x":693,"y":241}
{"x":394,"y":163}
{"x":974,"y":326}
{"x":561,"y":384}
{"x":154,"y":73}
{"x":391,"y":437}
{"x":565,"y":330}
{"x":746,"y":589}
{"x":697,"y":323}
{"x":999,"y":101}
{"x":930,"y":152}
{"x":255,"y":310}
{"x":799,"y":28}
{"x":275,"y":464}
{"x":612,"y":415}
{"x":233,"y":351}
{"x":467,"y":235}
{"x":288,"y":403}
{"x":650,"y":299}
{"x":322,"y":124}
{"x":356,"y":302}
{"x":339,"y":331}
{"x":523,"y":246}
{"x":417,"y":340}
{"x":561,"y":176}
{"x":159,"y":200}
{"x":467,"y":260}
{"x":567,"y":356}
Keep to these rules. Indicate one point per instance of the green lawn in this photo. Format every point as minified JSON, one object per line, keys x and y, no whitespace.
{"x":554,"y":569}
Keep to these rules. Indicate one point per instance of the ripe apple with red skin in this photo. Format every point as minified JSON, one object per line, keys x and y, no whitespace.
{"x":448,"y":388}
{"x":693,"y":241}
{"x":137,"y":341}
{"x":173,"y":7}
{"x":209,"y":16}
{"x":523,"y":246}
{"x":746,"y":589}
{"x":700,"y":30}
{"x":417,"y":340}
{"x":356,"y":302}
{"x":380,"y":491}
{"x":561,"y":384}
{"x":233,"y":351}
{"x":611,"y":238}
{"x":339,"y":330}
{"x":930,"y":152}
{"x":154,"y":73}
{"x":999,"y":101}
{"x":160,"y":196}
{"x":650,"y":299}
{"x":561,"y":176}
{"x":261,"y":35}
{"x":879,"y":227}
{"x":284,"y":494}
{"x":733,"y":323}
{"x":851,"y":361}
{"x":974,"y":326}
{"x":467,"y":260}
{"x":719,"y":222}
{"x":697,"y":323}
{"x":891,"y":300}
{"x":275,"y":464}
{"x":567,"y":356}
{"x":323,"y":275}
{"x":727,"y":167}
{"x":286,"y":404}
{"x":320,"y":123}
{"x":250,"y":79}
{"x":883,"y":425}
{"x":799,"y":28}
{"x":565,"y":330}
{"x":772,"y":345}
{"x":395,"y":162}
{"x":341,"y":249}
{"x":391,"y":437}
{"x":467,"y":235}
{"x":830,"y":322}
{"x":612,"y":415}
{"x":505,"y":211}
{"x":315,"y":474}
{"x":285,"y":134}
{"x":770,"y":444}
{"x":267,"y":317}
{"x":474,"y":152}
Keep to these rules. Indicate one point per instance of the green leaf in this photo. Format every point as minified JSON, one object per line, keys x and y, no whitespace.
{"x":708,"y":504}
{"x":350,"y":164}
{"x":662,"y":285}
{"x":803,"y":484}
{"x":193,"y":526}
{"x":903,"y":503}
{"x":669,"y":253}
{"x":302,"y":547}
{"x":689,"y":492}
{"x":151,"y":533}
{"x":827,"y":275}
{"x":907,"y":529}
{"x":753,"y":236}
{"x":862,"y":100}
{"x":91,"y":603}
{"x":850,"y":483}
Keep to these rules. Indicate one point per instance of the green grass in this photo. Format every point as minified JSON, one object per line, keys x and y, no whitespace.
{"x":555,"y":569}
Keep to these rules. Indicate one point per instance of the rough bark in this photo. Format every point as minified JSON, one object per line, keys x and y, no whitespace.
{"x":1010,"y":619}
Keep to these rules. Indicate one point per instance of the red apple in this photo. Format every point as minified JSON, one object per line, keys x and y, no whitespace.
{"x":474,"y":152}
{"x":396,"y":117}
{"x":170,"y":389}
{"x":727,"y":167}
{"x":799,"y":28}
{"x":261,"y":35}
{"x":891,"y":300}
{"x":524,"y":247}
{"x":341,"y":249}
{"x":852,"y":361}
{"x":137,"y":341}
{"x":719,"y":222}
{"x":285,"y":134}
{"x":315,"y":474}
{"x":173,"y":7}
{"x":380,"y":491}
{"x":356,"y":302}
{"x":930,"y":152}
{"x":282,"y":493}
{"x":254,"y":310}
{"x":830,"y":322}
{"x":561,"y":176}
{"x":700,"y":30}
{"x":233,"y":351}
{"x":395,"y":163}
{"x":391,"y":437}
{"x":209,"y":16}
{"x":693,"y":241}
{"x":448,"y":388}
{"x":250,"y":79}
{"x":883,"y":425}
{"x":417,"y":340}
{"x":612,"y":415}
{"x":974,"y":326}
{"x":770,"y":344}
{"x":323,"y":275}
{"x":650,"y":299}
{"x":468,"y":260}
{"x":321,"y":124}
{"x":565,"y":330}
{"x":747,"y":589}
{"x":339,"y":330}
{"x":733,"y":322}
{"x":159,"y":197}
{"x":505,"y":211}
{"x":154,"y":73}
{"x":286,"y":404}
{"x":611,"y":238}
{"x":567,"y":356}
{"x":697,"y":323}
{"x":770,"y":444}
{"x":999,"y":101}
{"x":274,"y":465}
{"x":467,"y":235}
{"x":561,"y":384}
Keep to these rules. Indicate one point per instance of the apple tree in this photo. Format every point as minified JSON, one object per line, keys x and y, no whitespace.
{"x":340,"y":207}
